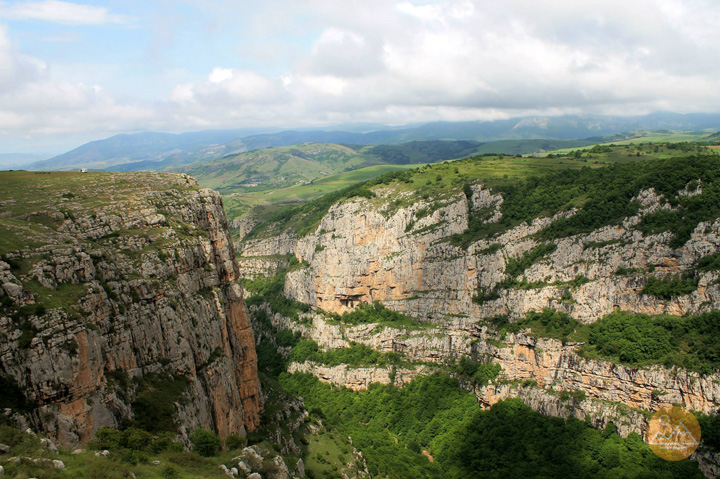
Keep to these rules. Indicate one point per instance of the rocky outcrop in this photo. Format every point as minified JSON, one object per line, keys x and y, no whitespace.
{"x":358,"y":379}
{"x":546,"y":374}
{"x":252,"y":267}
{"x":548,"y":363}
{"x":364,"y":251}
{"x":408,"y":257}
{"x":135,"y":277}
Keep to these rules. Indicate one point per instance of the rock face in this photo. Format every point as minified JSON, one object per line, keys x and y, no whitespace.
{"x":134,"y":276}
{"x":548,"y":363}
{"x":366,"y":250}
{"x":362,"y":252}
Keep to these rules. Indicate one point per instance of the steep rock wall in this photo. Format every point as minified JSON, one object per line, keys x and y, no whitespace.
{"x":551,"y":364}
{"x":135,"y":277}
{"x":361,"y":252}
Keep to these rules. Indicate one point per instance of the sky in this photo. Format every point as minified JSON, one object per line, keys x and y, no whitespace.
{"x":74,"y":72}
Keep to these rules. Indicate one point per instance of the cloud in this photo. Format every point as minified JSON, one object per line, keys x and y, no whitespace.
{"x":33,"y":102}
{"x":66,"y":13}
{"x":284,"y":63}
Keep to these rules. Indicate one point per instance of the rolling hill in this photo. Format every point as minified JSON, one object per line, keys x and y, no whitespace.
{"x":156,"y":151}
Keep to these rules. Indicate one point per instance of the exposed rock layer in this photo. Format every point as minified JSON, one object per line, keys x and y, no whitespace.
{"x":135,"y":276}
{"x":362,"y":252}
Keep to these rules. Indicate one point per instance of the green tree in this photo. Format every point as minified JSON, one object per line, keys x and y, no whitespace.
{"x":205,"y":443}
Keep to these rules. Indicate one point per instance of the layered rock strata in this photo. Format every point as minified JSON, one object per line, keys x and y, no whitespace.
{"x":134,"y":277}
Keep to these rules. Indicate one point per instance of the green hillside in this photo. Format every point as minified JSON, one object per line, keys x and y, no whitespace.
{"x":279,"y":167}
{"x":441,"y":181}
{"x":238,"y":203}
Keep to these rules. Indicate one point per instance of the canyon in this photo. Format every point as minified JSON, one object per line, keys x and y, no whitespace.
{"x":368,"y":249}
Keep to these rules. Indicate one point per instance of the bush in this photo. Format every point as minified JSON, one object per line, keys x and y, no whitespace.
{"x":689,"y":342}
{"x":12,"y":396}
{"x":270,"y":290}
{"x":233,"y":441}
{"x":479,"y":373}
{"x":134,"y":457}
{"x":549,"y":323}
{"x":169,"y":472}
{"x":205,"y":443}
{"x":135,"y":439}
{"x":376,"y":312}
{"x":154,"y":406}
{"x":516,"y":266}
{"x":355,"y":355}
{"x":671,"y":286}
{"x":483,"y":296}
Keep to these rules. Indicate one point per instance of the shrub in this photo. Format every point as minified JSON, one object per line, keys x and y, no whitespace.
{"x":205,"y":443}
{"x":376,"y":312}
{"x":483,"y":296}
{"x":169,"y":472}
{"x":549,"y":323}
{"x":233,"y":441}
{"x":671,"y":286}
{"x":154,"y":406}
{"x":516,"y":266}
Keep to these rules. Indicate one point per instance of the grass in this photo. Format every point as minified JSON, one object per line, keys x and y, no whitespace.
{"x":36,"y":204}
{"x":238,"y":203}
{"x":277,"y":167}
{"x":65,"y":296}
{"x":327,"y":454}
{"x":440,"y":183}
{"x":117,"y":465}
{"x":643,"y":137}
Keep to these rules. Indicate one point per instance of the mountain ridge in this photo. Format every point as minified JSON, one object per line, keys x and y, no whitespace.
{"x":135,"y":151}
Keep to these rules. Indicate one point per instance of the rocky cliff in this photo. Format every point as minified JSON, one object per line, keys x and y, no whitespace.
{"x":112,"y":286}
{"x":408,"y":250}
{"x":360,"y":253}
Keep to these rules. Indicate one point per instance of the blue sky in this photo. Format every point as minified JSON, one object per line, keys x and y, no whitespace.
{"x":71,"y":72}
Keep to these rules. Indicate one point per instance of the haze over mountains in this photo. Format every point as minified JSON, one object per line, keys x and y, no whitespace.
{"x":155,"y":151}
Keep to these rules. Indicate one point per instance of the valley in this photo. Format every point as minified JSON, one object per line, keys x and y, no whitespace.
{"x":493,"y":315}
{"x":507,"y":263}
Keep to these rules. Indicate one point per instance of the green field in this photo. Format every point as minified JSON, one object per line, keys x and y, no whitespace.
{"x":437,"y":183}
{"x":239,"y":203}
{"x":645,"y":137}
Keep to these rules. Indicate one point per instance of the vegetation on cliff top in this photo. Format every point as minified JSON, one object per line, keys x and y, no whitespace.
{"x":36,"y":204}
{"x":690,"y":342}
{"x":600,"y":186}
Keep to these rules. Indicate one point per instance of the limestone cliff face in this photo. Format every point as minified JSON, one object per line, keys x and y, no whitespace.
{"x":550,"y":364}
{"x":367,"y":250}
{"x":135,"y":276}
{"x":361,"y":252}
{"x":546,"y":374}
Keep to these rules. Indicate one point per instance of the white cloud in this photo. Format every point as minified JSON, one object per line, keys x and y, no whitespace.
{"x":34,"y":102}
{"x":423,"y":12}
{"x":219,"y":75}
{"x":325,"y":61}
{"x":61,"y":12}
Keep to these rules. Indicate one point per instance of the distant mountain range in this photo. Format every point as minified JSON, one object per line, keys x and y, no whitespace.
{"x":155,"y":151}
{"x":18,"y":160}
